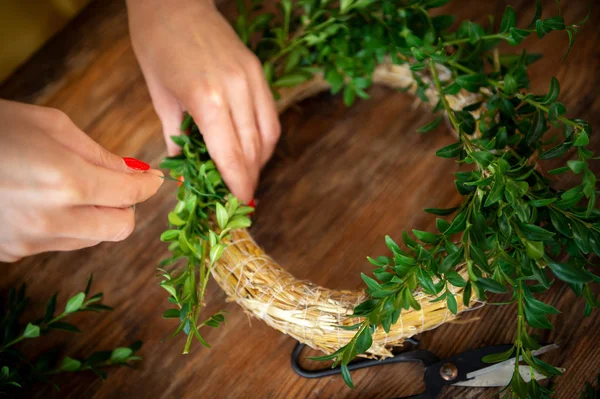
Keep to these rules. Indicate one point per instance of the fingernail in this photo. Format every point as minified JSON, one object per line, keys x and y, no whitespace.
{"x":136,"y":164}
{"x":252,"y":203}
{"x":180,"y":180}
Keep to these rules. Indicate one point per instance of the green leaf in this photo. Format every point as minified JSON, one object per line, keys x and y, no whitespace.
{"x":475,"y":32}
{"x":31,"y":331}
{"x":171,"y":314}
{"x":556,"y":151}
{"x":451,"y":302}
{"x":554,"y":23}
{"x":497,"y":191}
{"x":537,"y":129}
{"x":426,"y":281}
{"x":169,"y":235}
{"x":535,"y":233}
{"x":479,"y":257}
{"x":472,"y":82}
{"x":556,"y":109}
{"x":292,"y":79}
{"x":518,"y":35}
{"x":349,"y":95}
{"x":577,"y":166}
{"x":430,"y":126}
{"x":69,"y":364}
{"x":371,"y":283}
{"x":450,"y":151}
{"x":455,"y":279}
{"x":540,"y":29}
{"x":216,"y":252}
{"x":427,"y":237}
{"x":120,"y":355}
{"x":451,"y":260}
{"x":222,"y":216}
{"x":458,"y":223}
{"x":553,"y":92}
{"x":441,"y":212}
{"x":346,"y":376}
{"x":418,"y":53}
{"x":50,"y":308}
{"x":539,"y":203}
{"x":364,"y":341}
{"x":560,"y":223}
{"x":74,"y":304}
{"x":498,"y":357}
{"x":441,"y":225}
{"x":491,"y":285}
{"x":509,"y":19}
{"x":571,"y":33}
{"x":175,"y":219}
{"x":238,"y":223}
{"x":538,"y":13}
{"x":534,"y":249}
{"x":582,"y":140}
{"x":483,"y":158}
{"x":536,"y":320}
{"x":569,"y":273}
{"x":510,"y":84}
{"x":391,"y":244}
{"x":61,"y":325}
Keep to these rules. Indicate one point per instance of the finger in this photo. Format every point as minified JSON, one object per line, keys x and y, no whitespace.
{"x":88,"y":223}
{"x":266,"y":115}
{"x":66,"y":133}
{"x":243,"y":117}
{"x":61,"y":244}
{"x":96,"y":185}
{"x":170,"y":113}
{"x":211,"y":113}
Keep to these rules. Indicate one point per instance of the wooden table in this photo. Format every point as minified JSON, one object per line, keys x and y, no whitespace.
{"x":340,"y":180}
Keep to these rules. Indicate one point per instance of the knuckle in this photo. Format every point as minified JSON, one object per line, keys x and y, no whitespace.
{"x":206,"y":97}
{"x":237,"y":77}
{"x":71,"y":191}
{"x":233,"y":161}
{"x":57,"y":118}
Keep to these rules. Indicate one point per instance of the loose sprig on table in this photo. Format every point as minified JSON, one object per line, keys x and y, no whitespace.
{"x":513,"y":232}
{"x":19,"y":371}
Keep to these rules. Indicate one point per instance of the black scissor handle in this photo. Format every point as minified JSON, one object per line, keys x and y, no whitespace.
{"x":417,"y":355}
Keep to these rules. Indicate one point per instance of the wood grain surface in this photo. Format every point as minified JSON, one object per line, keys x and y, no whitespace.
{"x":341,"y":179}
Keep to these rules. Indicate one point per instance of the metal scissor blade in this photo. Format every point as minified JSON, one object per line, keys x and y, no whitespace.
{"x":500,"y":377}
{"x":500,"y":374}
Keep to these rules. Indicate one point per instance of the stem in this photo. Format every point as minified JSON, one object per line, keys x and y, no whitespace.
{"x":486,"y":37}
{"x":447,"y":108}
{"x":11,"y":343}
{"x":298,"y":40}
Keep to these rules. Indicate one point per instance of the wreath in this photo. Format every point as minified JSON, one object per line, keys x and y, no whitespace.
{"x":513,"y":233}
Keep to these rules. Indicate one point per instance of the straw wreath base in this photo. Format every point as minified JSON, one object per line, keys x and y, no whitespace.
{"x":305,"y":311}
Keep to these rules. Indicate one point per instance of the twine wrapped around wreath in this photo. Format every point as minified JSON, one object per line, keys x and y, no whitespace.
{"x":309,"y":313}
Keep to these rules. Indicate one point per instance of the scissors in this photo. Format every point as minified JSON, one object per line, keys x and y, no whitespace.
{"x":467,"y":369}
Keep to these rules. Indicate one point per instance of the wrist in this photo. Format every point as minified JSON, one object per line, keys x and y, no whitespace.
{"x":155,"y":3}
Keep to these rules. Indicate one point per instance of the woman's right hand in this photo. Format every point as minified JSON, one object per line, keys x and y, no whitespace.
{"x":60,"y":190}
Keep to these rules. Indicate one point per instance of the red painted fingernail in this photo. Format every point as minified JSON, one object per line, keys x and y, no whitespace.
{"x":252,"y":203}
{"x":136,"y":164}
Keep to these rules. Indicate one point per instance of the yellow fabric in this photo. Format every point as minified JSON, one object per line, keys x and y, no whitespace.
{"x":25,"y":25}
